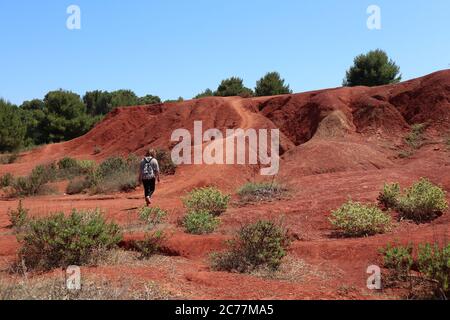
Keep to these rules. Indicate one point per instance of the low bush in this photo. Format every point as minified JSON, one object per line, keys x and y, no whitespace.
{"x":398,"y":258}
{"x":151,"y":245}
{"x":6,"y":180}
{"x":111,"y":166}
{"x":434,"y":263}
{"x":70,"y":168}
{"x":415,"y":138}
{"x":86,"y":166}
{"x":59,"y":241}
{"x":18,"y":218}
{"x":388,"y":198}
{"x":123,"y":181}
{"x":67,"y":163}
{"x":166,"y":165}
{"x":208,"y":199}
{"x":115,"y":174}
{"x":200,"y":222}
{"x":259,"y":245}
{"x":422,"y":202}
{"x":152,"y":216}
{"x":255,"y":192}
{"x":77,"y":186}
{"x":354,"y":219}
{"x":36,"y":182}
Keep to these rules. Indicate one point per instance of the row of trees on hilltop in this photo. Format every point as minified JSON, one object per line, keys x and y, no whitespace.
{"x":102,"y":102}
{"x":64,"y":115}
{"x":269,"y":85}
{"x":60,"y":116}
{"x":371,"y":69}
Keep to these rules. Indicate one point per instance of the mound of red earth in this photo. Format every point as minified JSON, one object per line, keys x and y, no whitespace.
{"x":335,"y":144}
{"x":322,"y":131}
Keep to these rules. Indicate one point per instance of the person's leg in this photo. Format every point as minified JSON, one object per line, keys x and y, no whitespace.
{"x":152,"y":186}
{"x":146,"y":184}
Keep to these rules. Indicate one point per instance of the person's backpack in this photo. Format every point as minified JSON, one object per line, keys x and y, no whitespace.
{"x":147,"y":172}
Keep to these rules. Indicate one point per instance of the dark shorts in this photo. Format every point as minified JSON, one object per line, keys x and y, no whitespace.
{"x":149,"y":187}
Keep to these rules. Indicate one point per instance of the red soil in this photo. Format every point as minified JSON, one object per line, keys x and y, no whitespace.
{"x":336,"y":144}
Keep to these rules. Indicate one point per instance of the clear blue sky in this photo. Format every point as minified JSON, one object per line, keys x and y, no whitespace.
{"x":178,"y":48}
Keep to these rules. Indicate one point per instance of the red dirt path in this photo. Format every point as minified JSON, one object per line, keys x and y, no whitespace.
{"x":336,"y":144}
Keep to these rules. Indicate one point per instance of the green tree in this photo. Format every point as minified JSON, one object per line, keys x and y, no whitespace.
{"x":123,"y":98}
{"x":33,"y":120}
{"x":98,"y":102}
{"x":12,"y":129}
{"x":372,"y":69}
{"x":270,"y":85}
{"x":204,"y":94}
{"x":35,"y":104}
{"x":66,"y":116}
{"x":33,"y":114}
{"x":180,"y":99}
{"x":233,"y":87}
{"x":149,"y":99}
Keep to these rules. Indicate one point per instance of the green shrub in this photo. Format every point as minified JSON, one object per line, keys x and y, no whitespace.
{"x":68,"y":168}
{"x":151,"y":245}
{"x":111,"y":166}
{"x":388,"y":198}
{"x":200,"y":222}
{"x":254,"y":192}
{"x":86,"y":166}
{"x":115,"y":174}
{"x":67,"y":163}
{"x":424,"y":201}
{"x":6,"y":180}
{"x":152,"y":216}
{"x":77,"y":186}
{"x":398,"y":258}
{"x":166,"y":165}
{"x":262,"y":244}
{"x":35,"y":183}
{"x":59,"y":241}
{"x":208,"y":199}
{"x":354,"y":219}
{"x":19,"y":217}
{"x":127,"y":181}
{"x":122,"y":181}
{"x":434,"y":263}
{"x":415,"y":138}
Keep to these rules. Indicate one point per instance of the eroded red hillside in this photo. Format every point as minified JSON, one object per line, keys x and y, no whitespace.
{"x":335,"y":143}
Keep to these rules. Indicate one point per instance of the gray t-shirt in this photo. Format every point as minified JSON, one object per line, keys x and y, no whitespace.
{"x":153,"y":163}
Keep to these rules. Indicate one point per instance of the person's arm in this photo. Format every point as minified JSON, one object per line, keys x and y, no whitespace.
{"x":157,"y":170}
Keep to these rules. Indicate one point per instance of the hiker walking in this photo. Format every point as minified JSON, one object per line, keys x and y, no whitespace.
{"x":148,"y":174}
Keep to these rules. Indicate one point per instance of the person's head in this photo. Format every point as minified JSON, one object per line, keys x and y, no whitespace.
{"x":150,"y":153}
